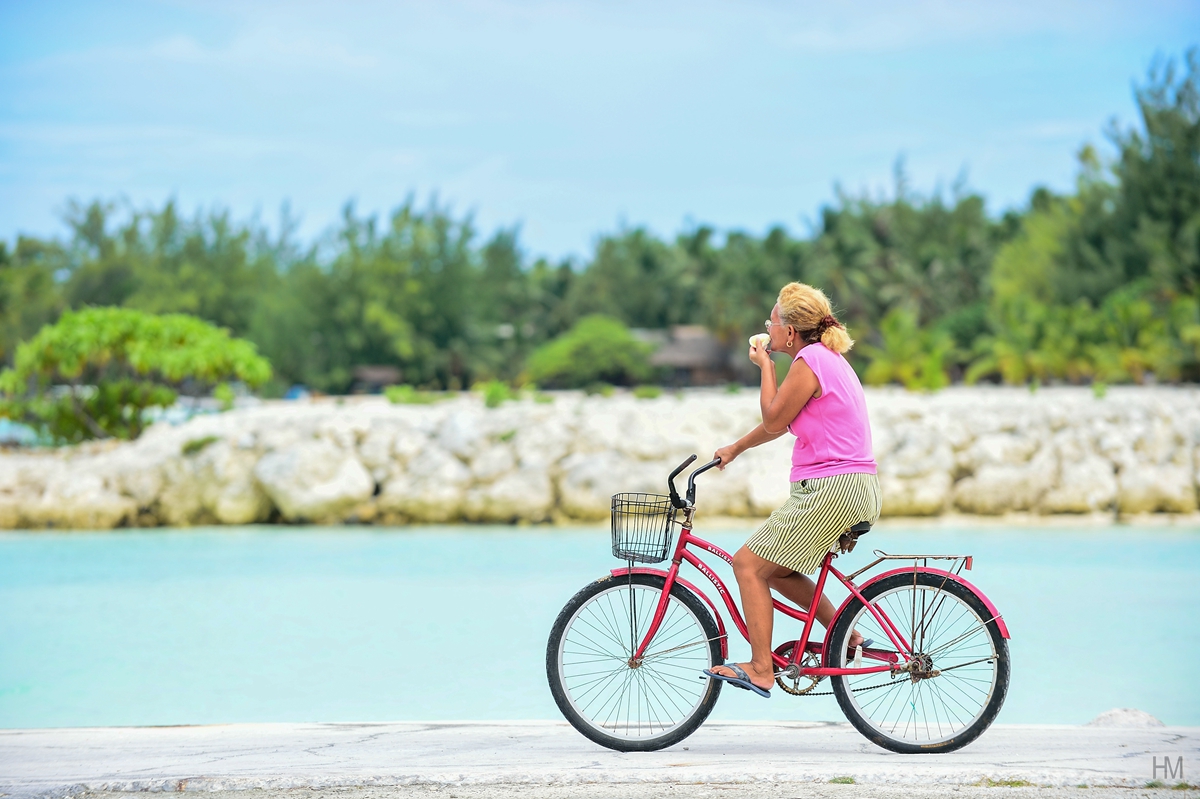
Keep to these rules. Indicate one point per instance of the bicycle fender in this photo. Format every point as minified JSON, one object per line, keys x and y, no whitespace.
{"x":987,"y":603}
{"x":691,"y":587}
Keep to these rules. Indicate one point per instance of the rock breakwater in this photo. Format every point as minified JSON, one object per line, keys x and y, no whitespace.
{"x":967,"y":450}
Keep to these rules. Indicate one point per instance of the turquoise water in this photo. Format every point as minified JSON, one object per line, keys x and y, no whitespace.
{"x":364,"y":624}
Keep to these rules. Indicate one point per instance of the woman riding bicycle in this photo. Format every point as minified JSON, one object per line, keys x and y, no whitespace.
{"x":833,"y":475}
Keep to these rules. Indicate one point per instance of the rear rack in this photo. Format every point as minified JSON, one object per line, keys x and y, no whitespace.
{"x":919,"y":562}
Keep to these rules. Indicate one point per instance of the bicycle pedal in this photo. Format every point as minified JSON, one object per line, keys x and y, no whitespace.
{"x":858,"y":656}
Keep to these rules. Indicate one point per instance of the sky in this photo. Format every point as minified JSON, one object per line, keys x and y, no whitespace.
{"x":567,"y":119}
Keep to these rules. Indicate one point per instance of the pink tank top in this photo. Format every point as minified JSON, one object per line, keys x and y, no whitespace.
{"x":833,"y":434}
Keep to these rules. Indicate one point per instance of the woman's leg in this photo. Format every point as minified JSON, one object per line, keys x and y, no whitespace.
{"x":754,"y":575}
{"x":800,"y":589}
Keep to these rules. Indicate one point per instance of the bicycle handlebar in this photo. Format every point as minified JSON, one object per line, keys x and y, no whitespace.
{"x":691,"y":492}
{"x":691,"y":489}
{"x":675,"y":500}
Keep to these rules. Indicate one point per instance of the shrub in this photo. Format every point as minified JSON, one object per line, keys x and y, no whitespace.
{"x":495,"y":392}
{"x":94,"y":372}
{"x":192,"y":446}
{"x":407,"y":395}
{"x":647,"y":392}
{"x":598,"y":349}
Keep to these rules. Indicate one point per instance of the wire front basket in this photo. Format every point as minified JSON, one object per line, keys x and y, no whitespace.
{"x":641,"y":527}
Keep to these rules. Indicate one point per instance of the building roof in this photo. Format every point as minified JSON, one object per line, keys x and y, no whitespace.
{"x":690,"y":347}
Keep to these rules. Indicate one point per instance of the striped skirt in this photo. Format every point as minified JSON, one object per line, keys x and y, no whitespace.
{"x":820,"y":509}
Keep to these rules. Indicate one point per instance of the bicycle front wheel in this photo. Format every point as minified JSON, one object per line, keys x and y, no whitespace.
{"x":961,"y":675}
{"x":633,"y":707}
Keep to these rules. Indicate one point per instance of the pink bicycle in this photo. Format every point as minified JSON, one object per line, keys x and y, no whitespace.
{"x":625,"y":655}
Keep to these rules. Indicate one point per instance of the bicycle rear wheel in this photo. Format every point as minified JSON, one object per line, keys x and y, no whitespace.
{"x":963,"y":674}
{"x":633,"y":708}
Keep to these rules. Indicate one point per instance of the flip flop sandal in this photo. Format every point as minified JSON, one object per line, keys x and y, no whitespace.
{"x":855,"y":653}
{"x":742,"y":680}
{"x":866,"y":643}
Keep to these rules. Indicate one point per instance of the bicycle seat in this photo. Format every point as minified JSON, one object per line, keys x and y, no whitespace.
{"x":848,"y":539}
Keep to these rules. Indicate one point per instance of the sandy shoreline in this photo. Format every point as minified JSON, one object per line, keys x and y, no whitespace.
{"x":549,"y":759}
{"x":793,"y":790}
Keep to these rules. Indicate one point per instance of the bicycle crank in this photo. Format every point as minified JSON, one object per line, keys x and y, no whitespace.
{"x":789,"y":678}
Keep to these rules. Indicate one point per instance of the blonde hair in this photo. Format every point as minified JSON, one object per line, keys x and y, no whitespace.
{"x":807,"y":309}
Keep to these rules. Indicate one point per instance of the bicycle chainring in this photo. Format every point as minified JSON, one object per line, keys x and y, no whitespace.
{"x":797,"y":686}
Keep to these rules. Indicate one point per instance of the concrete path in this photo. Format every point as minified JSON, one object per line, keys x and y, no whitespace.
{"x":476,"y":754}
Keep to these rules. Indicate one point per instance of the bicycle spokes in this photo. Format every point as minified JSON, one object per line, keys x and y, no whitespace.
{"x":626,"y":698}
{"x":951,"y":673}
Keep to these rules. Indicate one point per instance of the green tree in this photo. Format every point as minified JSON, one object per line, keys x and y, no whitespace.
{"x":597,"y":349}
{"x":910,"y":356}
{"x":637,"y":278}
{"x":29,"y":294}
{"x":94,"y":372}
{"x":158,"y":262}
{"x":1098,"y":284}
{"x":1154,"y":227}
{"x":739,"y":281}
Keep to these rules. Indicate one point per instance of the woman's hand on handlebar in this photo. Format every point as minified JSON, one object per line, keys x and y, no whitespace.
{"x":726,"y":455}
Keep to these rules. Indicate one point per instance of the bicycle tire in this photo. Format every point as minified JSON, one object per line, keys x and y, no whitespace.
{"x":985,"y":630}
{"x":706,"y":650}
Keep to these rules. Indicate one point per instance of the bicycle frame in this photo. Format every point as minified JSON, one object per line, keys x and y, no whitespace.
{"x":683,"y":554}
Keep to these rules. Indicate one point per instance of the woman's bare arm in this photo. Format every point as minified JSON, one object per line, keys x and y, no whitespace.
{"x":780,"y":406}
{"x":758,"y":435}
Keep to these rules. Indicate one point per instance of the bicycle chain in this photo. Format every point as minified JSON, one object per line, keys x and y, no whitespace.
{"x":853,"y":690}
{"x":817,"y":681}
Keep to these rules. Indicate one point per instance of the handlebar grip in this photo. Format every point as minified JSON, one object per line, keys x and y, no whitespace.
{"x":681,"y":467}
{"x":675,"y":500}
{"x":691,"y":492}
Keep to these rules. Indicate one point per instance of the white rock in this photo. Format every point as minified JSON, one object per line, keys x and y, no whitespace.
{"x":927,"y":495}
{"x":998,"y":488}
{"x":1146,"y":488}
{"x":766,"y":474}
{"x":230,"y":490}
{"x":313,"y":480}
{"x":915,"y":477}
{"x":1085,"y":485}
{"x":137,"y":471}
{"x":524,"y":495}
{"x":344,"y":430}
{"x":492,"y":462}
{"x":431,"y":489}
{"x":542,"y":442}
{"x":180,"y":501}
{"x":76,"y":498}
{"x":463,"y":433}
{"x":408,"y":445}
{"x":23,"y":470}
{"x":376,"y":448}
{"x":1125,"y":717}
{"x":11,"y":511}
{"x":982,"y":449}
{"x":590,"y":479}
{"x":998,"y":449}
